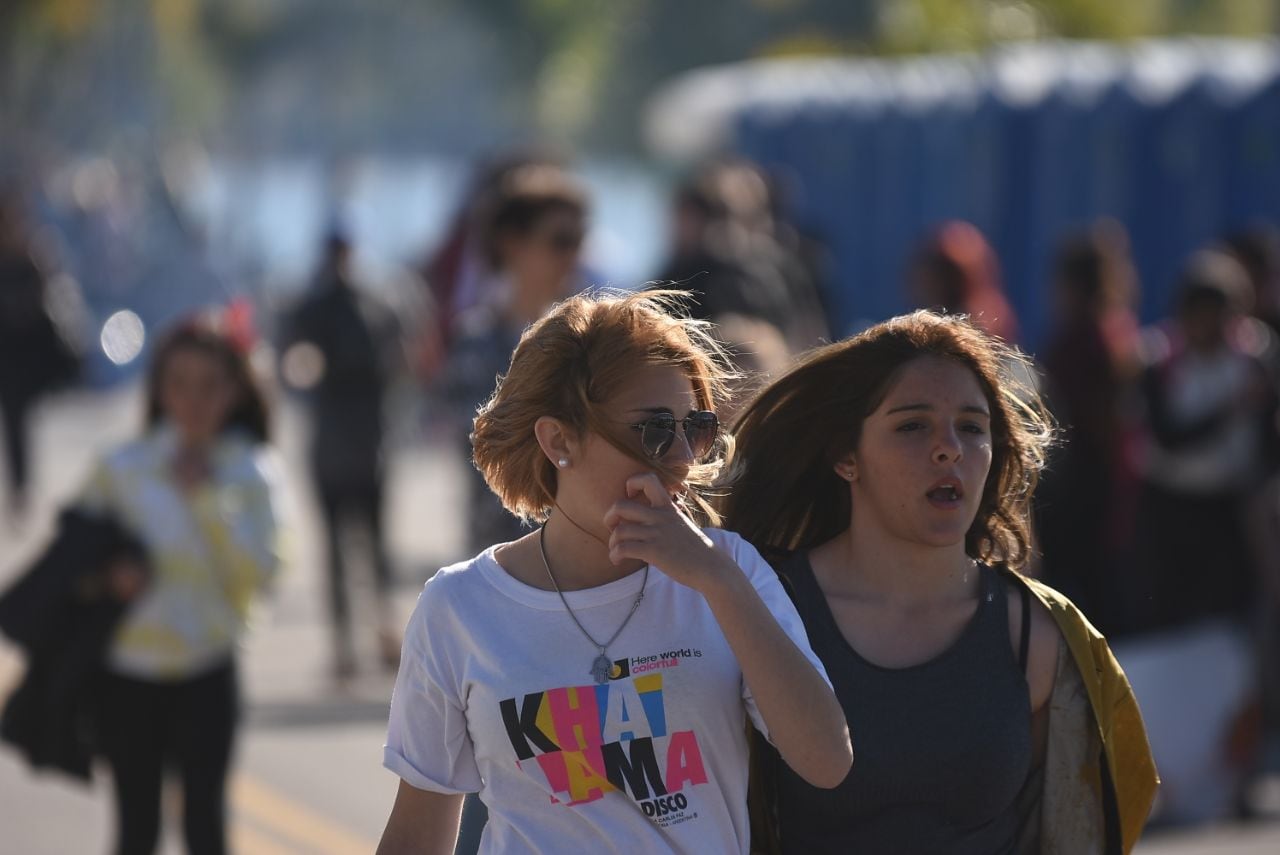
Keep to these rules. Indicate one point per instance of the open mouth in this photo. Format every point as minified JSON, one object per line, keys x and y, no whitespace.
{"x":946,"y":493}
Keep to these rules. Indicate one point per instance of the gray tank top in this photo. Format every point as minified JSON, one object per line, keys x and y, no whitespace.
{"x":942,"y":750}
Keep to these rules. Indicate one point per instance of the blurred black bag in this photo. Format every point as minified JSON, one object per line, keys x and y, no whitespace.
{"x":61,"y":615}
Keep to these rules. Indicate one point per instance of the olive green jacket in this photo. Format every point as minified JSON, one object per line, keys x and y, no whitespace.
{"x":1099,"y":777}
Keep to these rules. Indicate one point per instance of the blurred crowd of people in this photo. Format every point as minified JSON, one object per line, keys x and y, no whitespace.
{"x":1159,"y":513}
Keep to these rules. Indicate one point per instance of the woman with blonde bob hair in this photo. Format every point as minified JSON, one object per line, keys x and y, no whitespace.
{"x":592,"y":679}
{"x":889,"y":478}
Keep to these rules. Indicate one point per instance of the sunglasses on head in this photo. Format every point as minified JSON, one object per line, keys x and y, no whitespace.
{"x":658,"y":433}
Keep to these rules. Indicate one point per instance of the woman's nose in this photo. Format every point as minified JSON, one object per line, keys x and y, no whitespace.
{"x":948,"y":448}
{"x":680,"y":453}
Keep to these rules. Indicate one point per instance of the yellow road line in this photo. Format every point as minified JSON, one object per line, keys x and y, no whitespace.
{"x":275,"y":811}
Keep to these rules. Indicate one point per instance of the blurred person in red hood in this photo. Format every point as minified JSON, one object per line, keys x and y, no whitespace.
{"x":956,"y":271}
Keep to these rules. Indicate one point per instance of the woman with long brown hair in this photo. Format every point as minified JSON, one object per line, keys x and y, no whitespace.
{"x":592,"y":680}
{"x":889,"y":476}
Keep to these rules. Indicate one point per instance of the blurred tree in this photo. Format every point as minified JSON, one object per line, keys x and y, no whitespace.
{"x":638,"y":43}
{"x":34,"y":35}
{"x":451,"y":76}
{"x":931,"y":25}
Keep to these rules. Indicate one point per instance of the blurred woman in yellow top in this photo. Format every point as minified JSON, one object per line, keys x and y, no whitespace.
{"x":198,"y":489}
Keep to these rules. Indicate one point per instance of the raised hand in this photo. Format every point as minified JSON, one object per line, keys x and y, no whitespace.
{"x":648,"y":526}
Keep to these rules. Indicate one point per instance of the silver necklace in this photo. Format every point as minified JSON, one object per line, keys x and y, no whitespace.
{"x":601,"y":665}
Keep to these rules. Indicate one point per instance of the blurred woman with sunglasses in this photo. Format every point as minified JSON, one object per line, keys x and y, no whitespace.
{"x":530,"y":240}
{"x":889,"y":477}
{"x":592,"y":679}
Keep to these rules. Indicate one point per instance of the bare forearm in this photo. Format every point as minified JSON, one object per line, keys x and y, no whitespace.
{"x":805,"y":720}
{"x":421,"y":823}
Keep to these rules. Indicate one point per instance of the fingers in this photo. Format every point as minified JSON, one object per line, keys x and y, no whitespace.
{"x":624,"y":510}
{"x":642,"y":520}
{"x":648,"y":487}
{"x":629,"y":540}
{"x":634,"y":529}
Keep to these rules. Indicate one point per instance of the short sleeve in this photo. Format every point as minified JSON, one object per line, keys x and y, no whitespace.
{"x":765,"y":580}
{"x":428,"y":744}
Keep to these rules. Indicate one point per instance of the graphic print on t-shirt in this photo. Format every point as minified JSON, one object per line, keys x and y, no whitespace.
{"x":582,"y":742}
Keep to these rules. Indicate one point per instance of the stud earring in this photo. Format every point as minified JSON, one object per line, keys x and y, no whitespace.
{"x":563,"y":463}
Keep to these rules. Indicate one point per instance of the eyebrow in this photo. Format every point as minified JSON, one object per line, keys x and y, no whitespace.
{"x":968,"y":408}
{"x":654,"y":410}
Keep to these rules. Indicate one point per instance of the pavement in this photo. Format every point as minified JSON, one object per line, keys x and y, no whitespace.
{"x":308,"y":776}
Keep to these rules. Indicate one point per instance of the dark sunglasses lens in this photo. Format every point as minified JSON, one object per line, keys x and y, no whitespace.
{"x":565,"y":241}
{"x":700,"y":430}
{"x":658,"y":434}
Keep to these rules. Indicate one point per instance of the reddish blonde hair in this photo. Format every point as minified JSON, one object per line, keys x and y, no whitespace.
{"x":569,"y":363}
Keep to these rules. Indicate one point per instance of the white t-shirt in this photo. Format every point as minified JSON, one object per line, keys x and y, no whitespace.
{"x":495,"y":695}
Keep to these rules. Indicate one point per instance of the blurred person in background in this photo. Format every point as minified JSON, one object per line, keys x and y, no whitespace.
{"x":1091,"y":363}
{"x":531,"y":245}
{"x":956,"y":271}
{"x":1210,"y":422}
{"x":727,"y":247}
{"x":457,"y":271}
{"x":35,"y":358}
{"x":1210,"y":404}
{"x":1258,"y":250}
{"x":340,"y":347}
{"x":199,"y":490}
{"x":758,"y":352}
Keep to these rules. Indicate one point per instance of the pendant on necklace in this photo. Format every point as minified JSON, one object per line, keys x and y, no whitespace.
{"x":601,"y":668}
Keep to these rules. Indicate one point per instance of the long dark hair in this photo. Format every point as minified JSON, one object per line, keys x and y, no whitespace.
{"x":205,"y":336}
{"x":781,"y":491}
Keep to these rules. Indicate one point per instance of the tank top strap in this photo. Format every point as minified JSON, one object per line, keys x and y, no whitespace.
{"x":993,"y":613}
{"x":1024,"y":630}
{"x":999,"y":580}
{"x":993,"y":590}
